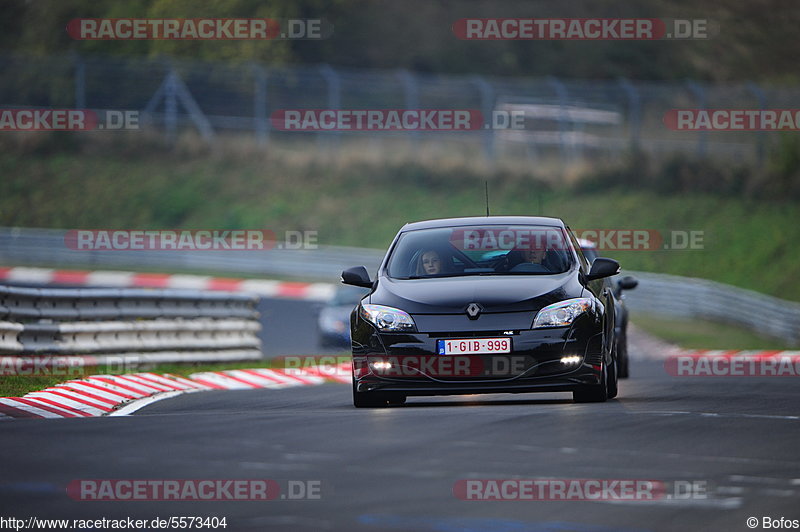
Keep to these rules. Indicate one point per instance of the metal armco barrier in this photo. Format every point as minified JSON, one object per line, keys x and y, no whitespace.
{"x":688,"y":297}
{"x":656,"y":294}
{"x":48,"y":247}
{"x":152,"y":325}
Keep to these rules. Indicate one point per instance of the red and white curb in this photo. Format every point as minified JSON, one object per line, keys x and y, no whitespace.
{"x":115,"y":279}
{"x":109,"y":395}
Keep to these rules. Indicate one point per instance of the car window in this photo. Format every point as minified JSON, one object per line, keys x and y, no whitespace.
{"x":590,"y":254}
{"x":586,"y":261}
{"x":480,"y":250}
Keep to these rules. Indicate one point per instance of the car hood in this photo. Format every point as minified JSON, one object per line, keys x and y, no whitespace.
{"x":451,"y":295}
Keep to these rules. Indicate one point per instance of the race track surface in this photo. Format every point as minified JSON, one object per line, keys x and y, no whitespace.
{"x":394,"y":469}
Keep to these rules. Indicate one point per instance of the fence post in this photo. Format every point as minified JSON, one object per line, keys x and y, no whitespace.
{"x":171,"y":90}
{"x":261,"y":122}
{"x":567,"y":152}
{"x":487,"y":107}
{"x":411,"y":92}
{"x":634,"y":111}
{"x":170,"y":107}
{"x":334,"y":82}
{"x":762,"y":105}
{"x":700,"y":95}
{"x":80,"y":81}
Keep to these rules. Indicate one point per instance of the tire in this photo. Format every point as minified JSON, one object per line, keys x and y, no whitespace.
{"x":376,"y":399}
{"x":595,"y":393}
{"x":622,"y":351}
{"x":612,"y":385}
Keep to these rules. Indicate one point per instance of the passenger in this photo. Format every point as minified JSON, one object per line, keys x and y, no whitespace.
{"x":430,"y":263}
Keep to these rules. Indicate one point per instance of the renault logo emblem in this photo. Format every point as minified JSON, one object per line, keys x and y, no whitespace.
{"x":473,"y":311}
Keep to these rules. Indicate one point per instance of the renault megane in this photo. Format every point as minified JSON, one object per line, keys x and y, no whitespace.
{"x":484,"y":305}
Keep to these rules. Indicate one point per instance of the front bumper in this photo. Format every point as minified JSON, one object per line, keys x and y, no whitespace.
{"x":410,"y":363}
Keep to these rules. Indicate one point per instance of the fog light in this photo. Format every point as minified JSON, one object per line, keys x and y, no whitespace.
{"x":571,"y":360}
{"x":381,"y":365}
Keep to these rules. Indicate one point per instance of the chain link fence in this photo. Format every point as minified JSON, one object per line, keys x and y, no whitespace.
{"x":571,"y":120}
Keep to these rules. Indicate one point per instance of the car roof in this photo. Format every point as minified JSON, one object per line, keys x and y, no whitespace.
{"x":484,"y":220}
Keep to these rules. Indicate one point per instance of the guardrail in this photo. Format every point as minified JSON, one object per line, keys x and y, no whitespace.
{"x":688,"y":297}
{"x":657,"y":293}
{"x":130,"y":324}
{"x":47,"y":247}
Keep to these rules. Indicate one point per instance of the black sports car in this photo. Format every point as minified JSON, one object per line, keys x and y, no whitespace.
{"x":484,"y":305}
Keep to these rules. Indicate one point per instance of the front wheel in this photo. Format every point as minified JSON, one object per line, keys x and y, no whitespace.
{"x":594,"y":393}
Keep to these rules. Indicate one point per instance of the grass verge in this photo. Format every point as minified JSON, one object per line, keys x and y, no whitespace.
{"x":19,"y":385}
{"x":703,"y":334}
{"x":355,"y":197}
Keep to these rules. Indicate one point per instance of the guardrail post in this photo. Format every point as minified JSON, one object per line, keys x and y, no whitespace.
{"x":487,"y":107}
{"x":762,"y":104}
{"x":700,"y":95}
{"x":334,"y":82}
{"x":261,"y":121}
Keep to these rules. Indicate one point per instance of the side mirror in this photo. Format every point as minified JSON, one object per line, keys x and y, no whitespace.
{"x":628,"y":283}
{"x":602,"y":267}
{"x":357,"y":276}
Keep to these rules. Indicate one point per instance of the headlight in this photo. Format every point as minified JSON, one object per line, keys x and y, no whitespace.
{"x":562,"y":313}
{"x":387,"y":319}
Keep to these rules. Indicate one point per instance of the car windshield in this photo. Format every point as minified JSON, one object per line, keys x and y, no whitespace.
{"x":480,"y":250}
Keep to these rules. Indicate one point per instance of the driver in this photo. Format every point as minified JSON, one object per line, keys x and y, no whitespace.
{"x":528,"y":258}
{"x":534,"y":255}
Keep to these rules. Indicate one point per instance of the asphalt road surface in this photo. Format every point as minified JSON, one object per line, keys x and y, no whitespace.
{"x":394,"y":469}
{"x":734,"y":441}
{"x":289,"y":327}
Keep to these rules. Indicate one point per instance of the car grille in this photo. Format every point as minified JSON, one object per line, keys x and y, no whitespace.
{"x":470,"y":334}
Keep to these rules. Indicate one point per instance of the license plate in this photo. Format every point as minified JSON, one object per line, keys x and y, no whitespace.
{"x":474,"y":346}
